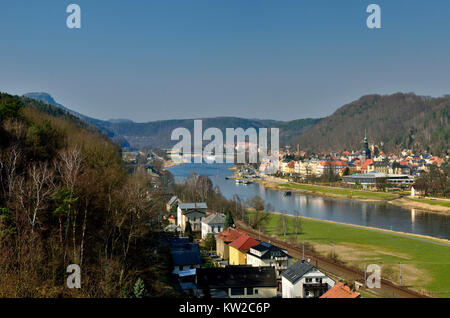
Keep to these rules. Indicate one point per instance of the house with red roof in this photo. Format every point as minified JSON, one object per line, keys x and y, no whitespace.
{"x":238,"y":249}
{"x":340,"y":290}
{"x":223,"y":239}
{"x":335,"y":165}
{"x":367,"y":166}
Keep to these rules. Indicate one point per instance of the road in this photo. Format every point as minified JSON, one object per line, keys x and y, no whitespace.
{"x":388,"y":288}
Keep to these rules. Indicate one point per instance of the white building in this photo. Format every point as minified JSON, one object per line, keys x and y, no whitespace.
{"x":213,"y":224}
{"x":302,"y":280}
{"x":192,"y":213}
{"x":266,"y":254}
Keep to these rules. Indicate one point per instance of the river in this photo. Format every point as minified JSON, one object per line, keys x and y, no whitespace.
{"x":374,"y":214}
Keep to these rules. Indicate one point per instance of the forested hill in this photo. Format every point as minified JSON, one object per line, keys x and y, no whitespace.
{"x":397,"y":121}
{"x":66,"y":198}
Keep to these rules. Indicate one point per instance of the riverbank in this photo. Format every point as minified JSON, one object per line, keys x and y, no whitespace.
{"x":169,"y":164}
{"x":361,"y":195}
{"x":425,"y":260}
{"x":312,"y":189}
{"x":422,"y":205}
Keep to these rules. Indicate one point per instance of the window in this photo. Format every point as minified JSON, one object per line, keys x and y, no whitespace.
{"x":250,"y":291}
{"x":256,"y":292}
{"x":237,"y":291}
{"x":319,"y":280}
{"x":308,"y":280}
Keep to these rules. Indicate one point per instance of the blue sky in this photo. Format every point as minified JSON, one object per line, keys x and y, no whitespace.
{"x":149,"y":60}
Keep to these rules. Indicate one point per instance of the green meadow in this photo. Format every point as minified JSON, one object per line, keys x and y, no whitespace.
{"x":425,"y":261}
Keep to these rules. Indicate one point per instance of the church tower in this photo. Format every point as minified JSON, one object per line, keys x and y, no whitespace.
{"x":366,"y":153}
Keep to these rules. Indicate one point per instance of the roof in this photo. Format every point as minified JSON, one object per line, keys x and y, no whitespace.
{"x":236,"y":276}
{"x":190,"y":206}
{"x":215,"y":218}
{"x":244,"y":242}
{"x":172,"y":200}
{"x":188,"y":272}
{"x":333,"y":163}
{"x":367,"y":163}
{"x":186,"y":254}
{"x":229,"y":235}
{"x":186,"y":212}
{"x":269,"y":251}
{"x":172,"y":228}
{"x":296,"y":271}
{"x":340,"y":291}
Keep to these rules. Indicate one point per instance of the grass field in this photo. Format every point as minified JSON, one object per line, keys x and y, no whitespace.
{"x":432,"y":202}
{"x":425,"y":264}
{"x":349,"y":193}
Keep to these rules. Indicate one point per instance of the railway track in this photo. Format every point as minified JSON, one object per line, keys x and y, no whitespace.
{"x":388,"y":289}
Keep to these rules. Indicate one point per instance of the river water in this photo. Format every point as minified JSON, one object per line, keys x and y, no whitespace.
{"x":374,"y":214}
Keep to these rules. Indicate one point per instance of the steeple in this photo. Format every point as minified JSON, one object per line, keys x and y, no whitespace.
{"x":366,"y":151}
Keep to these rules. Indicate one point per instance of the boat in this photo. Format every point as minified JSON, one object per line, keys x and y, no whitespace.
{"x":210,"y":159}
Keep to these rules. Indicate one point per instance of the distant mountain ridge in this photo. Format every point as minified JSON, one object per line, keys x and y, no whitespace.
{"x":157,"y":133}
{"x":392,"y":121}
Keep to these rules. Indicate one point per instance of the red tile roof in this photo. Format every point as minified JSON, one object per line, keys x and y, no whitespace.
{"x":229,"y":235}
{"x":367,"y":163}
{"x":333,"y":163}
{"x":244,"y":242}
{"x":340,"y":291}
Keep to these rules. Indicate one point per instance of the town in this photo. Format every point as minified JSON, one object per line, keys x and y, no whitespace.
{"x":370,"y":168}
{"x":214,"y":256}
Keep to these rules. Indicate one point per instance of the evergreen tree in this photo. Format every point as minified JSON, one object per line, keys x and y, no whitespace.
{"x":188,"y":230}
{"x":210,"y":242}
{"x":139,"y":289}
{"x":229,"y":222}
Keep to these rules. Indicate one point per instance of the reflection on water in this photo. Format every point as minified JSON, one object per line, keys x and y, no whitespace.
{"x":379,"y":215}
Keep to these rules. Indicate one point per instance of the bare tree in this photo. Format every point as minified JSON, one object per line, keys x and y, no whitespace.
{"x":8,"y":169}
{"x":297,"y":223}
{"x":282,"y":224}
{"x":33,"y":193}
{"x":260,"y":216}
{"x":69,"y":165}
